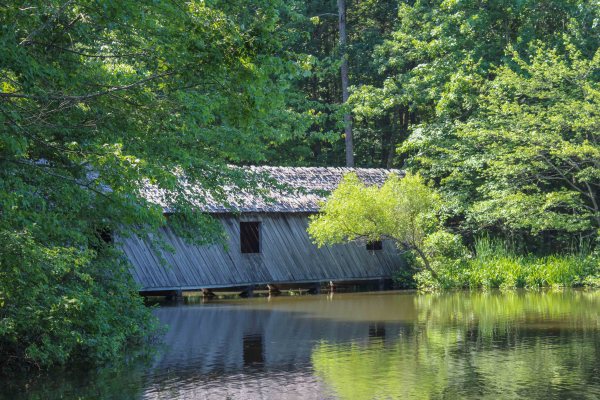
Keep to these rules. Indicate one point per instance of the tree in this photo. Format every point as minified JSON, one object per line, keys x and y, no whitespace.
{"x":314,"y":34}
{"x":344,"y":77}
{"x":436,"y":58}
{"x":403,"y":210}
{"x":528,"y":161}
{"x":436,"y":68}
{"x":98,"y":99}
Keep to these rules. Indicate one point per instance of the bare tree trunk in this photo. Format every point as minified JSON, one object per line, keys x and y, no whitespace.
{"x":344,"y":72}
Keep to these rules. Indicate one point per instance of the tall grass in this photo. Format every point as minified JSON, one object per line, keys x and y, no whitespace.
{"x":495,"y":264}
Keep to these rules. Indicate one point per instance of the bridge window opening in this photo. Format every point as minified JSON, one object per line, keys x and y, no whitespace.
{"x":105,"y":235}
{"x":103,"y":238}
{"x":375,"y":245}
{"x":250,"y":237}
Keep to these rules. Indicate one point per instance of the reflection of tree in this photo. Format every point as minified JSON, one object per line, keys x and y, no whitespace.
{"x":480,"y":345}
{"x":489,"y":312}
{"x":118,"y":381}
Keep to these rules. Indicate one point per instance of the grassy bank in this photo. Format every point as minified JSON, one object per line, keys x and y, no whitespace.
{"x":494,"y":265}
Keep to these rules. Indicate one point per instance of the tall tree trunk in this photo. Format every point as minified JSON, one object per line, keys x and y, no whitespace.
{"x":399,"y":134}
{"x":387,"y":132}
{"x":344,"y":72}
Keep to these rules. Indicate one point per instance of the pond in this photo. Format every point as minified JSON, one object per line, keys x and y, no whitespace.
{"x":386,"y":345}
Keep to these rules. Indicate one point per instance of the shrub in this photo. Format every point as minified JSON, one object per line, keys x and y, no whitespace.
{"x":59,"y":304}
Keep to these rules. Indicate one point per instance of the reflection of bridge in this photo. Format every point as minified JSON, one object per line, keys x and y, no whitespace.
{"x":230,"y":338}
{"x":217,"y":346}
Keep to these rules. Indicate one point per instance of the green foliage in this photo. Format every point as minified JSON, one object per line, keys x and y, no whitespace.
{"x":441,"y":53}
{"x":418,"y":63}
{"x":402,"y":209}
{"x":313,"y":38}
{"x":97,"y":99}
{"x":448,"y":256}
{"x":496,"y":265}
{"x":60,"y":303}
{"x":528,"y":160}
{"x":311,"y":41}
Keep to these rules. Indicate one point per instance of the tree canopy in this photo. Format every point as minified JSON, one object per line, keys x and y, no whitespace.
{"x":97,"y":99}
{"x":528,"y":159}
{"x":495,"y":102}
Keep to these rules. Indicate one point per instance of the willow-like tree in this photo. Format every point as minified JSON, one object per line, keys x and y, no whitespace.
{"x":402,"y":210}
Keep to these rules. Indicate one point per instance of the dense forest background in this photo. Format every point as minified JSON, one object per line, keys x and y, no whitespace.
{"x":495,"y":103}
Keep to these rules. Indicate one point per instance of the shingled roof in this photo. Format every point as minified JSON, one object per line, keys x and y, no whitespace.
{"x":296,"y":189}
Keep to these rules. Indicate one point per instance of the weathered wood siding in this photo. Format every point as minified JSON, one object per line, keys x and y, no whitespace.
{"x":287,"y":255}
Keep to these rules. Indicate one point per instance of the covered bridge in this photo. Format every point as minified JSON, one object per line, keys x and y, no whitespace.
{"x":267,"y":241}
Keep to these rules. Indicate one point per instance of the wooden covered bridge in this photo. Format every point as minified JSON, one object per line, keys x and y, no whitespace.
{"x":267,"y":242}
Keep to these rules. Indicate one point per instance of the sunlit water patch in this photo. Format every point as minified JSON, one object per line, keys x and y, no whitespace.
{"x":535,"y":345}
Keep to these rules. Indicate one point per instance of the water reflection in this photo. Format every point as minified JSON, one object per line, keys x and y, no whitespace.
{"x":253,"y":350}
{"x":377,"y":331}
{"x":363,"y":346}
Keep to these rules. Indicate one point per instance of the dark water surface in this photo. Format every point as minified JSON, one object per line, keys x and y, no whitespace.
{"x":390,"y":345}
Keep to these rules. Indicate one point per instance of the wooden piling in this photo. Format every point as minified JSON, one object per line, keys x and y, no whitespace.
{"x":315,"y":288}
{"x":175,"y":295}
{"x":273,"y":290}
{"x":248,"y":291}
{"x":331,"y":287}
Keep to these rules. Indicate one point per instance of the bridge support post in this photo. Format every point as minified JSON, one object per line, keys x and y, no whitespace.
{"x":385,"y":284}
{"x":248,"y":291}
{"x":331,"y":287}
{"x":315,"y":288}
{"x":273,"y":290}
{"x":175,"y":295}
